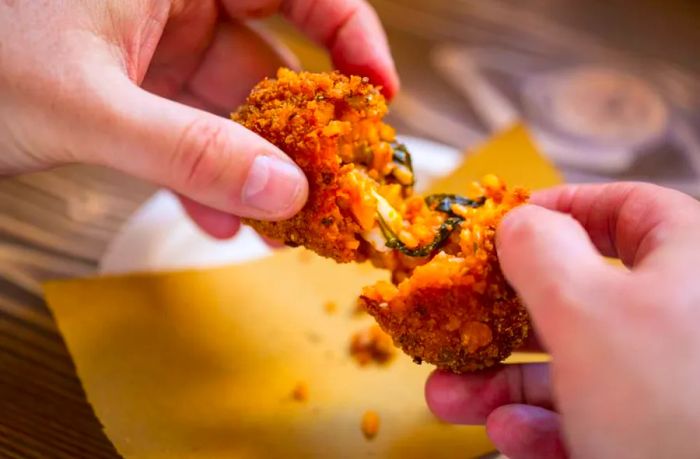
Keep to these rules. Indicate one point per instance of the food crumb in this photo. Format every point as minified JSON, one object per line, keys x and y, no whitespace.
{"x":372,"y":345}
{"x":301,"y":392}
{"x":330,"y":307}
{"x":313,"y":337}
{"x":370,"y":424}
{"x":305,"y":255}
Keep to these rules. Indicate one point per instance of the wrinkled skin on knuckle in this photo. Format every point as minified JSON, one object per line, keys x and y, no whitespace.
{"x":43,"y":111}
{"x":197,"y":162}
{"x":134,"y":32}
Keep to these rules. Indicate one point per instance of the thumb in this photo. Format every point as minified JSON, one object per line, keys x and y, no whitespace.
{"x":207,"y":158}
{"x":552,"y":264}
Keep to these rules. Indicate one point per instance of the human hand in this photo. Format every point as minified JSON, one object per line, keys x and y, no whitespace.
{"x":623,"y":380}
{"x":136,"y":85}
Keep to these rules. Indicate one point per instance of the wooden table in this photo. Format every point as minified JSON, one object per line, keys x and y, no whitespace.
{"x":56,"y":224}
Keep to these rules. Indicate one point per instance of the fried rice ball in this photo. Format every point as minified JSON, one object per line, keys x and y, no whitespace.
{"x":330,"y":125}
{"x":449,"y":303}
{"x":457,"y":311}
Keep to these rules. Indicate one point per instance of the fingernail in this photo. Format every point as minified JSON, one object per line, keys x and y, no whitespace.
{"x":272,"y":186}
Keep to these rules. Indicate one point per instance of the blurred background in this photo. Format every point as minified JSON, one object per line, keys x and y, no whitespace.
{"x":609,"y":89}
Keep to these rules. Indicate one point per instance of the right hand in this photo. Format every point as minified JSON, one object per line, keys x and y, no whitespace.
{"x":625,"y":345}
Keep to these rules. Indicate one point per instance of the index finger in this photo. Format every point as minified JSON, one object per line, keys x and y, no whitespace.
{"x":349,"y":29}
{"x":625,"y":220}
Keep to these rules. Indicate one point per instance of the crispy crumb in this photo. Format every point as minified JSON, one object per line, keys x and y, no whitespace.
{"x":313,"y":337}
{"x":372,"y":345}
{"x":327,"y":123}
{"x":370,"y":424}
{"x":457,"y":311}
{"x":330,"y":307}
{"x":300,"y":393}
{"x":448,"y":302}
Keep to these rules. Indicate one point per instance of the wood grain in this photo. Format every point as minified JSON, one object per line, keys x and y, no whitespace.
{"x":56,"y":224}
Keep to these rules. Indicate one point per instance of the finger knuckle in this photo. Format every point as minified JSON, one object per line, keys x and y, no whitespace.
{"x":196,"y":161}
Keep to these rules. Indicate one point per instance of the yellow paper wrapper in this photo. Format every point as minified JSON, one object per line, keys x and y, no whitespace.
{"x":202,"y":364}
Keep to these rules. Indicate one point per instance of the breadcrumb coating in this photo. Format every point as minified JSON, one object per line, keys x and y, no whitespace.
{"x":327,"y":123}
{"x":457,"y":311}
{"x":449,"y":303}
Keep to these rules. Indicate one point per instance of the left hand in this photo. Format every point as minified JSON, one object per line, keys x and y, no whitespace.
{"x":135,"y":85}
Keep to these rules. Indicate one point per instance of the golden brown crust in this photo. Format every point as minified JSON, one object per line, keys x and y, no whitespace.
{"x":457,"y":311}
{"x":454,"y":309}
{"x":454,"y":324}
{"x":300,"y":114}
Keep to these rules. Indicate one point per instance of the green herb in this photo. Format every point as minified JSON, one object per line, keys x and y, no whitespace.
{"x":444,"y":202}
{"x":440,"y":203}
{"x":393,"y":242}
{"x":402,"y":157}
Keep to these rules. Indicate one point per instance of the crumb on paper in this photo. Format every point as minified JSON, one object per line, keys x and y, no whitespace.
{"x":456,"y":310}
{"x":313,"y":337}
{"x":448,"y":302}
{"x":330,"y":307}
{"x":305,"y":255}
{"x":370,"y":424}
{"x":372,"y":345}
{"x":301,"y":392}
